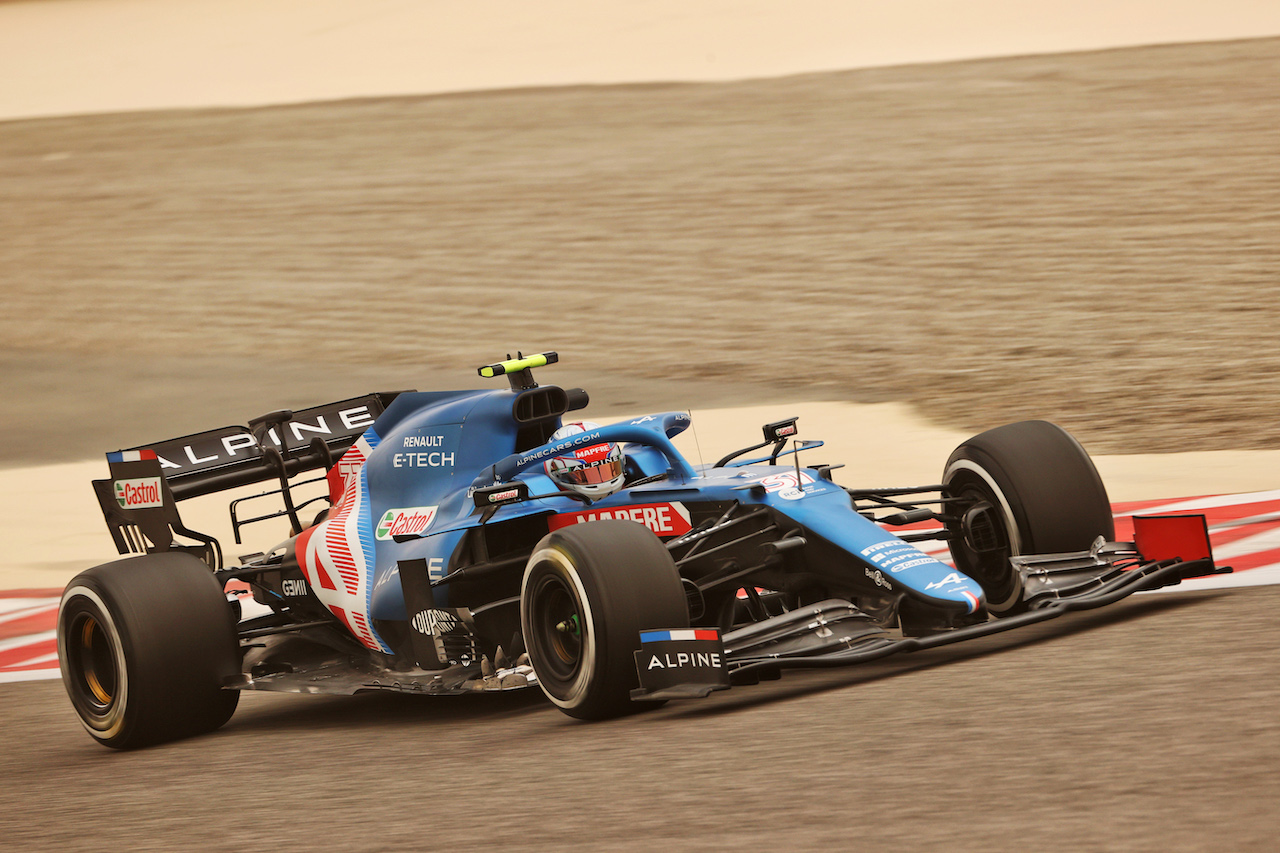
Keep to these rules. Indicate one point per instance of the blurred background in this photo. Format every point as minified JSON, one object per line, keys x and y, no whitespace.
{"x":1087,"y":237}
{"x":967,"y":213}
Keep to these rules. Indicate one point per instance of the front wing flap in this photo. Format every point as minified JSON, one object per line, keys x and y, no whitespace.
{"x":836,"y":634}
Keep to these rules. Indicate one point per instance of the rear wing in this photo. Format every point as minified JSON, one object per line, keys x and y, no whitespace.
{"x":139,"y":499}
{"x":232,"y":456}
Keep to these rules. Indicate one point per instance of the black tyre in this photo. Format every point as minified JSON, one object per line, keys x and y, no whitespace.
{"x":145,"y":645}
{"x":1024,"y":488}
{"x":588,"y":591}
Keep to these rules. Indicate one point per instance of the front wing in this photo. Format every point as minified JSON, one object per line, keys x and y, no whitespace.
{"x":835,"y":633}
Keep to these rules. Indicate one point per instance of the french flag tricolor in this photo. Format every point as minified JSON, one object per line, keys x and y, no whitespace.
{"x":680,"y":634}
{"x":130,"y":455}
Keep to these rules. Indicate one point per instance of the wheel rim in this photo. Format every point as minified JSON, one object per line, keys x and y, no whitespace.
{"x":990,"y":568}
{"x":564,"y":660}
{"x":98,"y":662}
{"x":557,"y":628}
{"x":93,"y":663}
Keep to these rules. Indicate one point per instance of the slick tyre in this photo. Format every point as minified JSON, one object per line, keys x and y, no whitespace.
{"x":1024,"y":488}
{"x":145,"y":645}
{"x":588,"y":591}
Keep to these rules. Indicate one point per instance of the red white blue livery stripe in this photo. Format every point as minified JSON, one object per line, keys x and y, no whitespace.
{"x":130,"y":455}
{"x":681,"y":634}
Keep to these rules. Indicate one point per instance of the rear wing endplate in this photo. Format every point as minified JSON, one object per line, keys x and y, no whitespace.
{"x":140,"y":510}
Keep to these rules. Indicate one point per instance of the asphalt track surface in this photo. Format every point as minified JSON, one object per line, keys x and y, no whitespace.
{"x":1150,"y":725}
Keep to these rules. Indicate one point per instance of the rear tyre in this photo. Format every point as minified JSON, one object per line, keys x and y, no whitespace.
{"x":588,"y":591}
{"x":1024,"y":488}
{"x":145,"y":645}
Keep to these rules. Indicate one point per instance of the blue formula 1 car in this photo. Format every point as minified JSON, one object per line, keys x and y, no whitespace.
{"x":473,"y":541}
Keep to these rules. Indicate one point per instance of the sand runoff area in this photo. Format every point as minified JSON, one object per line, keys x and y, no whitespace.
{"x":53,"y":527}
{"x":101,"y":57}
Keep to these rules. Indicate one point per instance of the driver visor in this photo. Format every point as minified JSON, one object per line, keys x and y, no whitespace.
{"x":592,"y":475}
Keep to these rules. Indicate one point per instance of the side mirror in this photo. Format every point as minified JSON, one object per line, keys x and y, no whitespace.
{"x":780,"y":430}
{"x":501,"y":494}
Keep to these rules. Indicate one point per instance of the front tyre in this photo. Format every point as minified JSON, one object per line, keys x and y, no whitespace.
{"x":588,"y":591}
{"x":1024,"y":488}
{"x":145,"y":645}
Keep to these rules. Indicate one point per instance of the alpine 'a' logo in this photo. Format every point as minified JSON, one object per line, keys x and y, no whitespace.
{"x":406,"y":521}
{"x":138,"y":494}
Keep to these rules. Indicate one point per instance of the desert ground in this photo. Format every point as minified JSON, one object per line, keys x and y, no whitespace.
{"x":1088,"y":237}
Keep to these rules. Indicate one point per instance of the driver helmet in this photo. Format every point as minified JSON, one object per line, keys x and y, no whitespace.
{"x":594,"y":471}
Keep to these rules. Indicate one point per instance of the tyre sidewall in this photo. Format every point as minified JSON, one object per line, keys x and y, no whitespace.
{"x":82,"y":598}
{"x":561,"y":562}
{"x":624,"y":581}
{"x":1044,"y":485}
{"x":970,"y":472}
{"x":170,"y":622}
